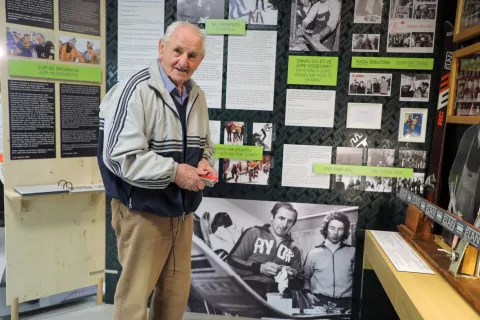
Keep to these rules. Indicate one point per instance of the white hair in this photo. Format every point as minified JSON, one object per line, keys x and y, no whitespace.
{"x":175,"y":25}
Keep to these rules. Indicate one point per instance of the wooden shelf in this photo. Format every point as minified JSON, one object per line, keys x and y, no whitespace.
{"x":463,"y":119}
{"x":13,"y":195}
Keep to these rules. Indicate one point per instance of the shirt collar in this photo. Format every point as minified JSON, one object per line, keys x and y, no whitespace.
{"x":170,"y":86}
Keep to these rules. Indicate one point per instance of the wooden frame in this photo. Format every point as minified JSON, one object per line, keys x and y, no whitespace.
{"x":462,"y":34}
{"x":456,"y":56}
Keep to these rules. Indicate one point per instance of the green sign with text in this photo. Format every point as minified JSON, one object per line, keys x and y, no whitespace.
{"x":318,"y":71}
{"x":363,"y":171}
{"x":223,"y":151}
{"x":221,"y":26}
{"x":392,"y":63}
{"x":50,"y":70}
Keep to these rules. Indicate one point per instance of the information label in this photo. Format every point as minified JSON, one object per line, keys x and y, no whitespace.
{"x":221,"y":26}
{"x":35,"y":13}
{"x":80,"y":16}
{"x":312,"y":70}
{"x":32,"y":119}
{"x":363,"y":171}
{"x":46,"y":70}
{"x":392,"y":63}
{"x":223,"y":151}
{"x":79,"y":108}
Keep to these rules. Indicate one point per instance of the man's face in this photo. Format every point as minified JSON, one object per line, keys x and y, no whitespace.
{"x":283,"y":222}
{"x":182,"y":55}
{"x":335,"y":231}
{"x":40,"y":40}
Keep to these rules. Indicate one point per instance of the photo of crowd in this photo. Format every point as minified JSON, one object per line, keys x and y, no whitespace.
{"x":315,"y":25}
{"x":425,"y":11}
{"x":293,"y":244}
{"x":381,"y":157}
{"x":247,"y":171}
{"x":467,"y":100}
{"x":414,"y":184}
{"x":416,"y":159}
{"x":30,"y":44}
{"x":378,"y":184}
{"x":79,"y":50}
{"x":370,"y":84}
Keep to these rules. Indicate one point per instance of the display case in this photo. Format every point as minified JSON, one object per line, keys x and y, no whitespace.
{"x":467,"y":22}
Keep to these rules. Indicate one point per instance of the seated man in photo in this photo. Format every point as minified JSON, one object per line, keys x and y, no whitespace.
{"x":328,"y":269}
{"x":262,"y":251}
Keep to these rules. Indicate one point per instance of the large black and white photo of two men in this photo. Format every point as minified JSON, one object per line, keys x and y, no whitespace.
{"x":315,"y":25}
{"x":295,"y":258}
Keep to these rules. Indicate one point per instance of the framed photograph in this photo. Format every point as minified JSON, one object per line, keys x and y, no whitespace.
{"x":413,"y":125}
{"x":464,"y":94}
{"x":415,"y":87}
{"x":370,"y":84}
{"x":414,"y":184}
{"x":79,"y":50}
{"x":368,"y":11}
{"x":247,"y":171}
{"x":365,"y":42}
{"x":416,"y":159}
{"x":364,"y":116}
{"x":467,"y":22}
{"x":27,"y":43}
{"x":235,"y":133}
{"x":263,"y":136}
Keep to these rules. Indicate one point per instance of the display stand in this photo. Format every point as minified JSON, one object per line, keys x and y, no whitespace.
{"x":55,"y":243}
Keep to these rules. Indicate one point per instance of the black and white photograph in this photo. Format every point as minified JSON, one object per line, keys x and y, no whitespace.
{"x":28,"y":43}
{"x":370,"y":84}
{"x":247,"y":171}
{"x":258,"y":12}
{"x":198,"y":11}
{"x":365,"y":42}
{"x":378,"y":184}
{"x":411,"y":27}
{"x":235,"y":133}
{"x":351,"y":157}
{"x":416,"y":159}
{"x":424,"y":11}
{"x":381,"y":157}
{"x":414,"y":184}
{"x":263,"y":135}
{"x":467,"y":99}
{"x":415,"y":87}
{"x":289,"y":242}
{"x":368,"y":11}
{"x":315,"y":25}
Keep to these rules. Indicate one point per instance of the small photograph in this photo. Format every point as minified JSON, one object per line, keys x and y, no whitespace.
{"x":416,"y":159}
{"x":468,"y":109}
{"x":381,"y":157}
{"x":368,"y":11}
{"x":378,"y":184}
{"x":370,"y":84}
{"x":399,"y":40}
{"x":414,"y":184}
{"x":415,"y":87}
{"x":427,"y":11}
{"x":422,"y":39}
{"x":401,"y":9}
{"x":247,"y":172}
{"x":235,"y":133}
{"x":315,"y":25}
{"x":366,"y":42}
{"x":198,"y":11}
{"x":471,"y":14}
{"x":353,"y":157}
{"x":258,"y":12}
{"x":263,"y":136}
{"x":413,"y":125}
{"x":468,"y":87}
{"x":30,"y":44}
{"x":80,"y":50}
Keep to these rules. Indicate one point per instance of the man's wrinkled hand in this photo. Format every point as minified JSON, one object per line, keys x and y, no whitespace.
{"x":205,"y":168}
{"x":188,"y":178}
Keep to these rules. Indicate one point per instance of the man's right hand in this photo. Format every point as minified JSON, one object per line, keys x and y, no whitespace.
{"x":188,"y":178}
{"x":269,"y":269}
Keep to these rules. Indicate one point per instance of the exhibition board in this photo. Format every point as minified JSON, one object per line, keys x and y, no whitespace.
{"x":53,"y":78}
{"x":303,"y":102}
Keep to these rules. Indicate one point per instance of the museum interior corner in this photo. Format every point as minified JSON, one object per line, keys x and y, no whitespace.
{"x":239,"y":159}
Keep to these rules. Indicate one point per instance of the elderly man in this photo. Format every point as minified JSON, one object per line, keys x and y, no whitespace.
{"x":154,"y":146}
{"x":328,"y":268}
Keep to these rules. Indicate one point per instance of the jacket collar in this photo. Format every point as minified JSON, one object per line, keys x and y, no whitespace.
{"x":342,"y":245}
{"x":158,"y":85}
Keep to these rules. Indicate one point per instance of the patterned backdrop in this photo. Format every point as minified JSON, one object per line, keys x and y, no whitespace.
{"x":376,"y":210}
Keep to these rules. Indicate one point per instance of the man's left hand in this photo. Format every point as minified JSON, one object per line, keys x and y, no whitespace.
{"x":204,"y":165}
{"x":292,"y":273}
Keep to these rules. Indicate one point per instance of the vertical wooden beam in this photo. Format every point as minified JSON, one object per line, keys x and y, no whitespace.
{"x":14,"y":310}
{"x":99,"y":291}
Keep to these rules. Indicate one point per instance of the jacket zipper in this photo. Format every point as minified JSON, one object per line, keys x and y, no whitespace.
{"x":333,"y":264}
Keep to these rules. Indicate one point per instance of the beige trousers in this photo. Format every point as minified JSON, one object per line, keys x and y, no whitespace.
{"x":151,"y":260}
